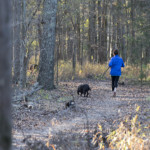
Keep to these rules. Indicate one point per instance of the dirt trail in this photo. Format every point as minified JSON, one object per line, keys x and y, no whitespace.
{"x":48,"y":117}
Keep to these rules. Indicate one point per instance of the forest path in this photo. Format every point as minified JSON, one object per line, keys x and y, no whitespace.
{"x":48,"y":116}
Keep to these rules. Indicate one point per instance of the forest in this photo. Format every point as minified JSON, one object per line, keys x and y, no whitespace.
{"x":74,"y":74}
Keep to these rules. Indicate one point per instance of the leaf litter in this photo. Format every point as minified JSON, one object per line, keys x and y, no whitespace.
{"x":48,"y":120}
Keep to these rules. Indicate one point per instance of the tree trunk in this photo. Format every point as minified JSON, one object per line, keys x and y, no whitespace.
{"x":74,"y":59}
{"x":118,"y":25}
{"x":39,"y":33}
{"x":103,"y":53}
{"x":114,"y":46}
{"x":132,"y":51}
{"x":92,"y":29}
{"x":5,"y":76}
{"x":127,"y":34}
{"x":46,"y":71}
{"x":83,"y":35}
{"x":23,"y":58}
{"x":16,"y":40}
{"x":69,"y":43}
{"x":78,"y":37}
{"x":124,"y":52}
{"x":99,"y":31}
{"x":110,"y":30}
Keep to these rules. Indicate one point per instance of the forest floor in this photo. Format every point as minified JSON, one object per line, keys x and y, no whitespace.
{"x":48,"y":120}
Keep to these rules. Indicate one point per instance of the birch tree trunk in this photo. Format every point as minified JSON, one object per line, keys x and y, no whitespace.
{"x":46,"y":71}
{"x":109,"y":43}
{"x":5,"y":76}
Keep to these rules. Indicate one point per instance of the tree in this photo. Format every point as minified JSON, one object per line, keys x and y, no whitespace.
{"x":23,"y":58}
{"x":92,"y":29}
{"x":102,"y":31}
{"x":5,"y":76}
{"x":132,"y":51}
{"x":46,"y":71}
{"x":16,"y":39}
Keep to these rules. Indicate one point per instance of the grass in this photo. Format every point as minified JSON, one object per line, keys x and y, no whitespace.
{"x":89,"y":70}
{"x":95,"y":71}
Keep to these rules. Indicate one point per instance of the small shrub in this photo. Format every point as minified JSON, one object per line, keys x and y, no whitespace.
{"x":128,"y":136}
{"x":89,"y":70}
{"x":98,"y":138}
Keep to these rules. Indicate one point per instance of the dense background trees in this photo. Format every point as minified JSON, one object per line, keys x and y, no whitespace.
{"x":86,"y":30}
{"x":107,"y":25}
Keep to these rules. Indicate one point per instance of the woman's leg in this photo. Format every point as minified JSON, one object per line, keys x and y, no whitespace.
{"x":115,"y":85}
{"x":116,"y":81}
{"x":113,"y":82}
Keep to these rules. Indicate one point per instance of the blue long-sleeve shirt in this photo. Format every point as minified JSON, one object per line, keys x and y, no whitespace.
{"x":116,"y":63}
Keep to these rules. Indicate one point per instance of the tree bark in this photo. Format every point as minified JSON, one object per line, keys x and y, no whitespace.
{"x":46,"y":71}
{"x":92,"y":31}
{"x":103,"y":39}
{"x":78,"y":36}
{"x":114,"y":45}
{"x":132,"y":51}
{"x":99,"y":31}
{"x":124,"y":52}
{"x":74,"y":58}
{"x":5,"y":76}
{"x":110,"y":30}
{"x":23,"y":57}
{"x":16,"y":39}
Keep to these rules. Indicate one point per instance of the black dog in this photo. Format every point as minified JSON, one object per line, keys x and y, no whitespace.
{"x":83,"y":89}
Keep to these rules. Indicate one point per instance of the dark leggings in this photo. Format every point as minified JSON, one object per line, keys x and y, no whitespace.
{"x":115,"y":80}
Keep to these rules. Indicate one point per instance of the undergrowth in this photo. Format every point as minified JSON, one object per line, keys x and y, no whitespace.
{"x":94,"y":71}
{"x":97,"y":71}
{"x":130,"y":135}
{"x":88,"y":70}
